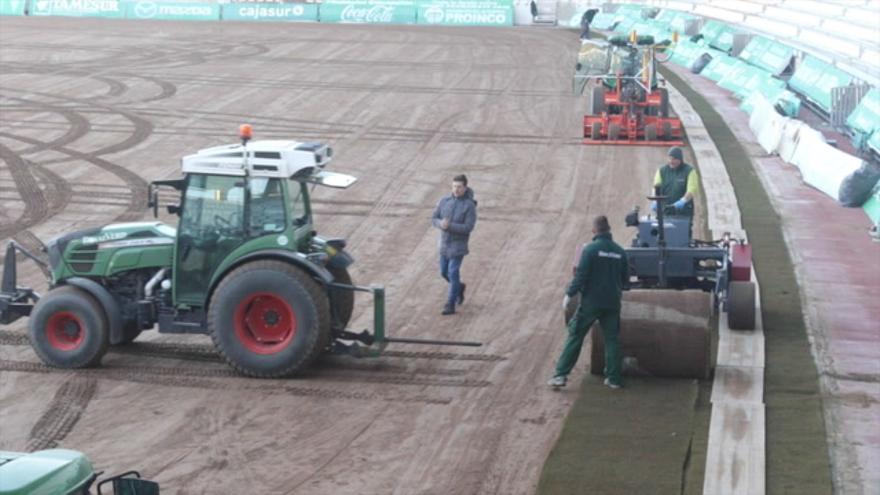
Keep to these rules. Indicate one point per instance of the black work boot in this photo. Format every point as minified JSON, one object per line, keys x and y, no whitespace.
{"x":448,"y":310}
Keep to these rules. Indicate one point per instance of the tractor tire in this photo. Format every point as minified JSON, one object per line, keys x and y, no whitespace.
{"x":667,"y":131}
{"x":68,"y":329}
{"x":596,"y":131}
{"x":269,"y":319}
{"x":664,"y":102}
{"x":613,"y":132}
{"x":341,"y":301}
{"x":741,"y":306}
{"x":650,"y":132}
{"x":597,"y":100}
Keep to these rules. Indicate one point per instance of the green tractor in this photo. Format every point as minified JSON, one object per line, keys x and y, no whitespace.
{"x":63,"y":472}
{"x":244,"y":265}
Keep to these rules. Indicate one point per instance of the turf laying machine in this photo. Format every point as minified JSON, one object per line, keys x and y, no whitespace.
{"x":626,"y":104}
{"x":675,"y":282}
{"x":244,"y":265}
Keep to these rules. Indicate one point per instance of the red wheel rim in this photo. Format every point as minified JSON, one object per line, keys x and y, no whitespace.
{"x":65,"y":331}
{"x":264,"y":323}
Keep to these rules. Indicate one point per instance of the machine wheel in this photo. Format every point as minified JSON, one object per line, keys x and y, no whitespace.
{"x":597,"y":100}
{"x":68,"y":329}
{"x":741,"y":306}
{"x":650,"y":132}
{"x":269,"y":319}
{"x":613,"y":132}
{"x":341,"y":301}
{"x":597,"y":352}
{"x":596,"y":131}
{"x":667,"y":131}
{"x":664,"y":102}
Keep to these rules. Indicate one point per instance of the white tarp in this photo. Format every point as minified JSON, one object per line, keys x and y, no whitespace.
{"x":822,"y":165}
{"x":790,"y":134}
{"x":766,"y":123}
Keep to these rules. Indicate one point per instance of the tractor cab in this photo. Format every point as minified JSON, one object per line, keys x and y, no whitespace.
{"x":239,"y":199}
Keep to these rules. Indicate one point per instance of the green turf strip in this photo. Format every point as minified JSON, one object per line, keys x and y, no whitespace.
{"x":797,"y":453}
{"x":635,"y":440}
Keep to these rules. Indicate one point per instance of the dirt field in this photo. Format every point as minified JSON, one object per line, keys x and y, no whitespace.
{"x":93,"y":110}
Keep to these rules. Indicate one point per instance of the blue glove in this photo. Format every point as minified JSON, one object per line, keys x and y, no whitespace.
{"x":680,"y":204}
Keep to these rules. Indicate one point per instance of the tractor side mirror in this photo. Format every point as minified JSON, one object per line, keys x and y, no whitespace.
{"x":134,"y":486}
{"x":173,"y":209}
{"x":153,"y":200}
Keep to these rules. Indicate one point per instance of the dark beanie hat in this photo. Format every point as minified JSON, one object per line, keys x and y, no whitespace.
{"x":675,"y":152}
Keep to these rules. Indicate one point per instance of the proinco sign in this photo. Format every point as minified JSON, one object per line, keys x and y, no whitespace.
{"x":466,"y":13}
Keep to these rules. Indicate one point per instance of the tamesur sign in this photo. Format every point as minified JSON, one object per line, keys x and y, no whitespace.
{"x":77,"y":8}
{"x":12,"y":7}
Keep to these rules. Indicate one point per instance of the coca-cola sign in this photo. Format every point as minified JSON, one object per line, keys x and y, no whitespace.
{"x":367,"y":13}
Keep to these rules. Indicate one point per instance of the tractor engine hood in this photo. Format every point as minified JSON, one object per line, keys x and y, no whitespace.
{"x":85,"y":243}
{"x":46,"y":471}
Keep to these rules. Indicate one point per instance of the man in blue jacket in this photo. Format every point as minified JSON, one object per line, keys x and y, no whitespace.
{"x":455,"y":216}
{"x":601,"y":275}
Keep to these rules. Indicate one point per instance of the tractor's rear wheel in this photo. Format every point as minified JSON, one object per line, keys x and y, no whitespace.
{"x":650,"y":132}
{"x":68,"y":329}
{"x":613,"y":132}
{"x":741,"y":305}
{"x":269,"y":319}
{"x":596,"y":131}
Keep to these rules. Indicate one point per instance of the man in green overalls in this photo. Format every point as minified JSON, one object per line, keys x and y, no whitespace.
{"x":679,"y":182}
{"x":601,"y":275}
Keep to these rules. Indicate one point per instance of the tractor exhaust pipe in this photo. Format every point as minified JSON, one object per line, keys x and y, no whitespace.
{"x":151,"y":284}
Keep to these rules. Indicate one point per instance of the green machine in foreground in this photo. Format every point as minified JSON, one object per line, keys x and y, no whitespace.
{"x":63,"y":472}
{"x":244,"y":265}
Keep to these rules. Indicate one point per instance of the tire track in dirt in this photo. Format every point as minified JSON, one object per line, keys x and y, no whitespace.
{"x":62,"y":413}
{"x":78,"y":126}
{"x":172,"y":377}
{"x":35,"y":204}
{"x":136,"y":184}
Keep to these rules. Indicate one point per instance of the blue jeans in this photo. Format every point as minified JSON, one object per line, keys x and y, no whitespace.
{"x":450,"y":268}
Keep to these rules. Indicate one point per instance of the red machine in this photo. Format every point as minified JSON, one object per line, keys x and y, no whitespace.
{"x":626,"y":106}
